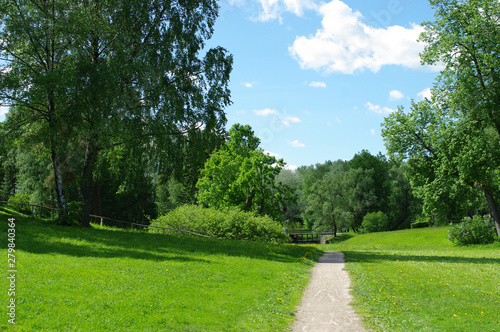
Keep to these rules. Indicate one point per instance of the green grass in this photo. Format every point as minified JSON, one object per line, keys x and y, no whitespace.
{"x":417,"y":280}
{"x":103,"y":279}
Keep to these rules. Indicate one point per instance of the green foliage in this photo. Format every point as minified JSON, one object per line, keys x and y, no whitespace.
{"x":84,"y":79}
{"x":72,"y":215}
{"x":228,"y":223}
{"x":421,"y":222}
{"x":292,"y":214}
{"x":340,"y":194}
{"x":452,"y":141}
{"x":375,"y":222}
{"x":23,"y":199}
{"x":476,"y":230}
{"x":241,"y":174}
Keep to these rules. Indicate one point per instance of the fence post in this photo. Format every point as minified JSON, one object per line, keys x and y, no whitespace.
{"x":32,"y":211}
{"x":163,"y":231}
{"x":101,"y":221}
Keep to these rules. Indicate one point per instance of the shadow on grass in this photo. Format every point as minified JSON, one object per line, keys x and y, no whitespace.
{"x":46,"y":238}
{"x":340,"y":238}
{"x":368,"y":256}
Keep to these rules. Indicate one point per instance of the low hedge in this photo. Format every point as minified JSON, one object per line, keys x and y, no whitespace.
{"x":228,"y":223}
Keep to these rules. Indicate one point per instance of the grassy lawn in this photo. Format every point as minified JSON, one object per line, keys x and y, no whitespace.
{"x":416,"y":280}
{"x":103,"y":279}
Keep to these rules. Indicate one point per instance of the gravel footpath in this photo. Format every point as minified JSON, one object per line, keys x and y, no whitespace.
{"x":325,"y":304}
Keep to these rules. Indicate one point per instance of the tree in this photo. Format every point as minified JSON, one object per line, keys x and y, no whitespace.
{"x":402,"y":203}
{"x":96,"y":74}
{"x":292,"y":212}
{"x":454,"y":140}
{"x":327,"y":190}
{"x":33,"y":56}
{"x":241,"y":174}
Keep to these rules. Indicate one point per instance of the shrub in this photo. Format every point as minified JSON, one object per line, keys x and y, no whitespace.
{"x":229,"y":223}
{"x":74,"y":211}
{"x":20,"y":198}
{"x":421,"y":222}
{"x":476,"y":230}
{"x":375,"y":222}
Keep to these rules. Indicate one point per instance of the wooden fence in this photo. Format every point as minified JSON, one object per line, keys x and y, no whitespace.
{"x":101,"y":220}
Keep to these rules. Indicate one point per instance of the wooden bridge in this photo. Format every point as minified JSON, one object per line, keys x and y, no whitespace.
{"x":310,"y":237}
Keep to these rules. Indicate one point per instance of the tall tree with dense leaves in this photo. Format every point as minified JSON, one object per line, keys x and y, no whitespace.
{"x":34,"y":49}
{"x":241,"y":174}
{"x":104,"y":73}
{"x":454,"y":140}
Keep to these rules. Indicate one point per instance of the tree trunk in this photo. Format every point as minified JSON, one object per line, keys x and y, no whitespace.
{"x":495,"y":213}
{"x":97,"y":198}
{"x":87,"y":185}
{"x":249,"y":201}
{"x":61,"y":198}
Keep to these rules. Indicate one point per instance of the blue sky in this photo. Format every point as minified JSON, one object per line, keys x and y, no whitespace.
{"x":316,"y":79}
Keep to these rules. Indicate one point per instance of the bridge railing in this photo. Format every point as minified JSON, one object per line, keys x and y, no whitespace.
{"x":309,"y":237}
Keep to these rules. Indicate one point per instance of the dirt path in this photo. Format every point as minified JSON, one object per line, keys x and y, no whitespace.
{"x":325,"y":305}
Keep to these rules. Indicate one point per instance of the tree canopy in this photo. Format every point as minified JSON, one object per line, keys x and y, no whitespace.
{"x":86,"y":76}
{"x":452,"y":142}
{"x":241,"y":174}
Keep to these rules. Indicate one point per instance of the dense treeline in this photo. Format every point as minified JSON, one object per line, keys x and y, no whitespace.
{"x":117,"y":109}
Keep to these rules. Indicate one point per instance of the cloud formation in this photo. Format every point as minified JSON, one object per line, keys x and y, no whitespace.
{"x":345,"y":44}
{"x":265,"y":112}
{"x":315,"y":84}
{"x":396,"y":95}
{"x":287,"y":122}
{"x":379,"y":109}
{"x":296,"y":144}
{"x":273,"y":9}
{"x":426,"y":93}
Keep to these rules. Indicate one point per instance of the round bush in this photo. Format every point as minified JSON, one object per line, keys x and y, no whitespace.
{"x":229,"y":223}
{"x":476,"y":230}
{"x":375,"y":222}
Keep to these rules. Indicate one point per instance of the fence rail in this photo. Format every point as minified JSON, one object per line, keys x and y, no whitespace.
{"x":101,"y":218}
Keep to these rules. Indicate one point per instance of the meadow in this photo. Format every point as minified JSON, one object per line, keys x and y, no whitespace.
{"x":105,"y":279}
{"x":417,"y":280}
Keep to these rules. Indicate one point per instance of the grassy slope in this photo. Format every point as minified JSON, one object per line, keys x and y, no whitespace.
{"x":76,"y":279}
{"x":416,"y":280}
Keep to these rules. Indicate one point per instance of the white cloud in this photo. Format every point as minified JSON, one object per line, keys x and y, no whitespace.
{"x":345,"y":44}
{"x":396,"y":95}
{"x":372,"y":131}
{"x":289,"y":120}
{"x":292,"y":168}
{"x":265,"y":112}
{"x":241,"y":112}
{"x":379,"y":109}
{"x":247,"y":84}
{"x":426,"y":93}
{"x":272,"y":154}
{"x":296,"y":144}
{"x":273,"y":9}
{"x":315,"y":84}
